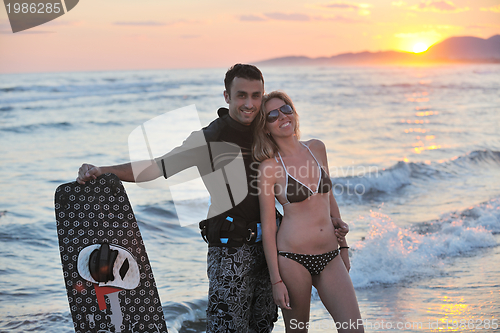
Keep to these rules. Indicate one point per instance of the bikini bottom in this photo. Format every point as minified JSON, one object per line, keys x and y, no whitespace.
{"x":314,"y":263}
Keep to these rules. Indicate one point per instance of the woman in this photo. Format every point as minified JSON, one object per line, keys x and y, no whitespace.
{"x":305,"y":251}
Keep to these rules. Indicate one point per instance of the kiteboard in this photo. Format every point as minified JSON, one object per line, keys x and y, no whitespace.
{"x":109,"y":280}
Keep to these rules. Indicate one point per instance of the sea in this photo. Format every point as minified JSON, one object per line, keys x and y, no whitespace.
{"x":414,"y":156}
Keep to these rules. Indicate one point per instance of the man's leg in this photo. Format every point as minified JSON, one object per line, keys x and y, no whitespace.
{"x":264,"y":312}
{"x":230,"y":294}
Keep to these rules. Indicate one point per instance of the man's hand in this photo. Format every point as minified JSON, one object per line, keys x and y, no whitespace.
{"x":341,"y":229}
{"x":87,"y":172}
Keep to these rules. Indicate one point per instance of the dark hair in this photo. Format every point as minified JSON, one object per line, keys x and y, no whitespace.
{"x":244,"y":71}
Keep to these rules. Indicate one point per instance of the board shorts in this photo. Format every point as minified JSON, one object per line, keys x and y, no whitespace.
{"x":240,"y":296}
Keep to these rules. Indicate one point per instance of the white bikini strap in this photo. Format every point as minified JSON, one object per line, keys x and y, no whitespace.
{"x":282,"y":163}
{"x":320,"y":169}
{"x":312,"y":154}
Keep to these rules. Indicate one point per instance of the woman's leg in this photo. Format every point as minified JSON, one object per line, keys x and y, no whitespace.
{"x":299,"y":284}
{"x":336,"y":291}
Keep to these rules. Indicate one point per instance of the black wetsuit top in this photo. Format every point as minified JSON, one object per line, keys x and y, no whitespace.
{"x":222,"y":129}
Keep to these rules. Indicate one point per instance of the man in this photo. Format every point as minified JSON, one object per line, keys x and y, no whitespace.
{"x":240,"y":293}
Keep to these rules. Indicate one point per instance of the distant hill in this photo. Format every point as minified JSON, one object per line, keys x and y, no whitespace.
{"x":466,"y":48}
{"x":454,"y":49}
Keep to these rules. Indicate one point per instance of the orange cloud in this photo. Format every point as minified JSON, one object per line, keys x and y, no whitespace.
{"x":495,"y":9}
{"x":420,"y":34}
{"x":152,"y":23}
{"x":362,"y":8}
{"x":341,"y":5}
{"x":438,"y":6}
{"x":288,"y":17}
{"x":481,"y":26}
{"x":296,"y":17}
{"x":339,"y":18}
{"x":141,"y":23}
{"x":252,"y":18}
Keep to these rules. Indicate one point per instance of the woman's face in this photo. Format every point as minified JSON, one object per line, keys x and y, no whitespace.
{"x":285,"y":124}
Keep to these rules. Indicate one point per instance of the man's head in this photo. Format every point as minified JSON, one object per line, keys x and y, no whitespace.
{"x":244,"y":90}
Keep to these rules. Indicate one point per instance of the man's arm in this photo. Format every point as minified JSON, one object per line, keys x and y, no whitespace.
{"x":124,"y":172}
{"x":193,"y":152}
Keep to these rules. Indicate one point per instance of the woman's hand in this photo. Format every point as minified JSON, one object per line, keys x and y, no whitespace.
{"x":341,"y":229}
{"x":344,"y":254}
{"x":280,"y":295}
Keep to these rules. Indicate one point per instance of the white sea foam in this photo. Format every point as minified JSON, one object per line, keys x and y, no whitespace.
{"x":391,"y":254}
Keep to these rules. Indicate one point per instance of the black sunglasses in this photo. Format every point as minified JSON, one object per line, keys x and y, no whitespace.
{"x":273,"y":115}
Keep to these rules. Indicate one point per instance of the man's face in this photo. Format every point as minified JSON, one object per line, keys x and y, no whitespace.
{"x":245,"y":99}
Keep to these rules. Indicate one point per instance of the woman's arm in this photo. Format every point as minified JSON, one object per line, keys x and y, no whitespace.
{"x":341,"y":228}
{"x":266,"y":181}
{"x":344,"y":254}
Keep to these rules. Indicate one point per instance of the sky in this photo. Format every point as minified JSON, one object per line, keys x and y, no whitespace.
{"x":159,"y":34}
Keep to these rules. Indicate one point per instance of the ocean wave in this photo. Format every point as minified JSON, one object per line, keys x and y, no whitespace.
{"x":63,"y":125}
{"x":465,"y":86}
{"x":40,"y":322}
{"x":405,"y":173}
{"x":477,"y":156}
{"x":105,"y":123}
{"x":11,"y":89}
{"x":30,"y":128}
{"x":180,"y":317}
{"x":35,"y":108}
{"x":186,"y":316}
{"x":33,"y":235}
{"x":104,"y":87}
{"x":428,"y":84}
{"x":391,"y":254}
{"x":401,"y":85}
{"x":379,"y":181}
{"x":475,"y":160}
{"x":486,"y":72}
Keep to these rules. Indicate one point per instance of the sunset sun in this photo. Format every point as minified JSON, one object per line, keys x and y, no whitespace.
{"x":419,"y":47}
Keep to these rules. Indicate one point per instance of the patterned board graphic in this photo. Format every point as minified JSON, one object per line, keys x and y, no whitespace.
{"x":87,"y":216}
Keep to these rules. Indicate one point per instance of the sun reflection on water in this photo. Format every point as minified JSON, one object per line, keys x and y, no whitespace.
{"x":454,"y":314}
{"x":417,"y":130}
{"x":425,"y":114}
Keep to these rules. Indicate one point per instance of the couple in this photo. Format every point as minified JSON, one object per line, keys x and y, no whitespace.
{"x":243,"y":289}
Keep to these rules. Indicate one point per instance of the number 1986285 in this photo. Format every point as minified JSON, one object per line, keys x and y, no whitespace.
{"x":34,"y":8}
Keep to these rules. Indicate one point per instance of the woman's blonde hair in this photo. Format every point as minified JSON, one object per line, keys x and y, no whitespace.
{"x":264,"y":146}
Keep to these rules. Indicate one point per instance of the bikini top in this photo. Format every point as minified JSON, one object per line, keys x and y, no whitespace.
{"x":297,"y":191}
